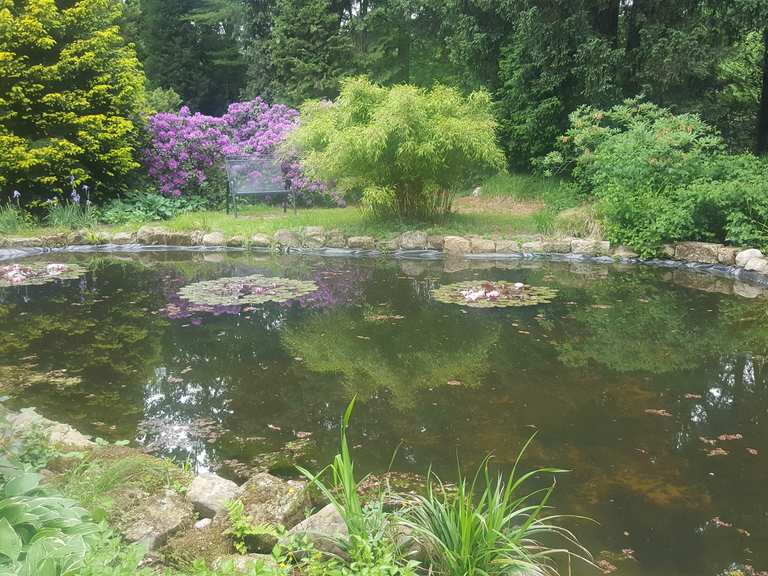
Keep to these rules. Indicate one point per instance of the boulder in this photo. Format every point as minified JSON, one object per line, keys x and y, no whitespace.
{"x":245,"y":564}
{"x":209,"y":493}
{"x":179,"y":239}
{"x":435,"y":242}
{"x":336,"y":239}
{"x":668,"y":251}
{"x":54,"y":240}
{"x":269,"y":500}
{"x":214,"y":239}
{"x":482,"y":245}
{"x":361,"y":242}
{"x":28,"y":420}
{"x":727,"y":255}
{"x":323,"y":529}
{"x":388,"y":245}
{"x":590,"y":247}
{"x":158,"y":518}
{"x":747,"y":290}
{"x":746,"y":255}
{"x":287,"y":239}
{"x":202,"y":523}
{"x":261,"y":241}
{"x":26,"y":242}
{"x":235,"y":241}
{"x":456,"y":245}
{"x":414,"y":240}
{"x":705,"y":252}
{"x":151,"y":236}
{"x":123,"y":238}
{"x":507,"y":246}
{"x":548,"y":246}
{"x":313,"y":237}
{"x":759,"y":265}
{"x":622,"y":251}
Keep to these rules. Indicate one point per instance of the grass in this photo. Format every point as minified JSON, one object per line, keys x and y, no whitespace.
{"x":519,"y":186}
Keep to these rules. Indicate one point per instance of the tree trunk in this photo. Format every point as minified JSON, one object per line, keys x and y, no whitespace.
{"x":762,"y":115}
{"x":606,"y":19}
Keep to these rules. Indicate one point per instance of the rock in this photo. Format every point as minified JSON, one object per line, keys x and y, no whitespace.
{"x":214,"y":239}
{"x":235,"y":241}
{"x":482,"y":245}
{"x":261,"y":241}
{"x":123,"y":238}
{"x":747,"y":290}
{"x":26,"y":242}
{"x":361,"y":242}
{"x":590,"y":247}
{"x":507,"y":246}
{"x":323,"y":529}
{"x":456,"y":245}
{"x":415,"y":240}
{"x":287,"y":239}
{"x":179,"y":239}
{"x":435,"y":242}
{"x":158,"y":518}
{"x":705,"y":252}
{"x":313,"y":237}
{"x":269,"y":500}
{"x":54,"y":240}
{"x":727,"y":255}
{"x":80,"y":237}
{"x":151,"y":236}
{"x":409,"y":546}
{"x":668,"y":251}
{"x":336,"y":239}
{"x":28,"y":419}
{"x":202,"y":524}
{"x":548,"y":246}
{"x":209,"y":493}
{"x":245,"y":564}
{"x":622,"y":251}
{"x":388,"y":245}
{"x":759,"y":265}
{"x":746,"y":255}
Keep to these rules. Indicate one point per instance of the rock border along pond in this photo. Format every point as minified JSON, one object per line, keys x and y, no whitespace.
{"x":746,"y":264}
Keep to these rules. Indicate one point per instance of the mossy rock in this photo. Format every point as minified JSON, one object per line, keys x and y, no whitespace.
{"x":255,"y":289}
{"x":498,"y":294}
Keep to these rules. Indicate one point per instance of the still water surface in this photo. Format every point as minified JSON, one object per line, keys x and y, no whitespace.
{"x":629,"y":377}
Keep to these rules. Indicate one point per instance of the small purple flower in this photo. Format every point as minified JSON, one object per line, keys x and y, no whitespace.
{"x":16,"y":194}
{"x":85,"y":188}
{"x":75,"y":197}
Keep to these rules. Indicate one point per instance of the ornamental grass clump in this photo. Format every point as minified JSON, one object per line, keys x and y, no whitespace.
{"x":486,"y":525}
{"x":406,"y":149}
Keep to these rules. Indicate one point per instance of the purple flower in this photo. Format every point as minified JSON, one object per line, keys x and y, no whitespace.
{"x":85,"y":188}
{"x":75,"y":197}
{"x":16,"y":194}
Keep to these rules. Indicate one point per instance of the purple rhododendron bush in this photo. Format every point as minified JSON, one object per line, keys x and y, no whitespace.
{"x":186,"y":151}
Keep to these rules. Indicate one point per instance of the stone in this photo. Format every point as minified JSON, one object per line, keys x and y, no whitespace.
{"x":622,"y":251}
{"x":507,"y":246}
{"x":746,"y":290}
{"x":26,"y":242}
{"x":727,"y":255}
{"x":435,"y":242}
{"x":361,"y":242}
{"x":214,"y":239}
{"x":548,"y":246}
{"x":388,"y":245}
{"x":313,"y":237}
{"x":336,"y":239}
{"x":704,"y":252}
{"x":261,"y":241}
{"x":456,"y":245}
{"x":245,"y":564}
{"x":235,"y":241}
{"x":54,"y":240}
{"x":590,"y":247}
{"x":123,"y":238}
{"x":759,"y":265}
{"x":27,"y":419}
{"x":482,"y":245}
{"x":408,"y":545}
{"x":209,"y":493}
{"x":270,"y":500}
{"x":287,"y":239}
{"x":746,"y":255}
{"x":202,"y":524}
{"x":414,"y":240}
{"x":668,"y":251}
{"x":151,"y":236}
{"x":322,"y":529}
{"x":158,"y":518}
{"x":179,"y":239}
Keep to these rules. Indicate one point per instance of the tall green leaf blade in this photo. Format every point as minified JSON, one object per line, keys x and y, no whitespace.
{"x":10,"y":543}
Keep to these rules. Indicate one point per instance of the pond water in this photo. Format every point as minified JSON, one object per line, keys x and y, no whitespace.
{"x":629,"y":376}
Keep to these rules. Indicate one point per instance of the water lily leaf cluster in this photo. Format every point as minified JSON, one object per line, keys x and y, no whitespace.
{"x":255,"y":289}
{"x":499,"y":294}
{"x":38,"y":273}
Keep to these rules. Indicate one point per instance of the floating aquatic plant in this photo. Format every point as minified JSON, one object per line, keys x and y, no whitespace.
{"x":500,"y":294}
{"x":37,"y":273}
{"x":255,"y":289}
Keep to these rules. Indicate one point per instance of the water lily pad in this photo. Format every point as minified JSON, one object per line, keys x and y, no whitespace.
{"x":500,"y":294}
{"x":37,"y":273}
{"x":255,"y":289}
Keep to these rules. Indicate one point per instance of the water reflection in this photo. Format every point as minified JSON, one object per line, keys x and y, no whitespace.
{"x":630,"y":378}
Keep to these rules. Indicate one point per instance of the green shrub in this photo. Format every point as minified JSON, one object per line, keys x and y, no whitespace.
{"x":139,"y":207}
{"x":409,"y":150}
{"x":12,"y":218}
{"x":660,"y":177}
{"x":71,"y":215}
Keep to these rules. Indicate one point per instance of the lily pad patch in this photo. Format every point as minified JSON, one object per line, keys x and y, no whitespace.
{"x":38,"y":273}
{"x":255,"y":289}
{"x":499,"y":294}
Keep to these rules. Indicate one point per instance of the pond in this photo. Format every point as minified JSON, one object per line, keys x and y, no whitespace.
{"x":649,"y":385}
